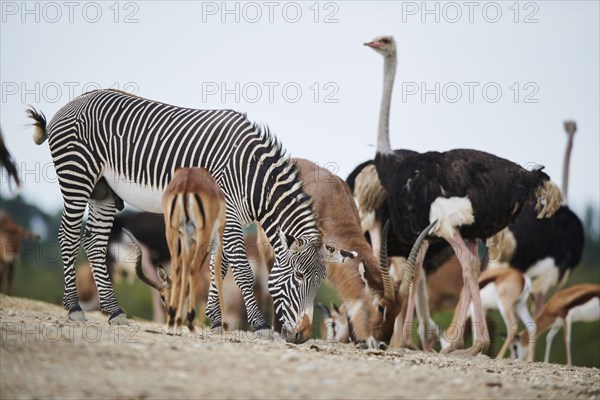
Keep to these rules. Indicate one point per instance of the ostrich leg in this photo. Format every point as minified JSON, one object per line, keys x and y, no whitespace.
{"x":469,"y":258}
{"x":454,"y":335}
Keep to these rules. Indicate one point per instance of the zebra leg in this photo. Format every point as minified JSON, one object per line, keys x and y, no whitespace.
{"x":95,"y":240}
{"x":235,"y":253}
{"x":68,"y":236}
{"x":213,"y":311}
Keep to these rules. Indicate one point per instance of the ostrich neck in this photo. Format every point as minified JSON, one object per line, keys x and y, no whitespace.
{"x":383,"y":132}
{"x":567,"y":161}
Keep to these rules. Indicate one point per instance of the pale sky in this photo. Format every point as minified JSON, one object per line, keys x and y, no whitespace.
{"x":314,"y":83}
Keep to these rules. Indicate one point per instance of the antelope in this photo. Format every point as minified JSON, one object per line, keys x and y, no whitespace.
{"x":578,"y":303}
{"x":11,"y":236}
{"x":507,"y":290}
{"x":336,"y":325}
{"x":371,"y":301}
{"x":194,"y":211}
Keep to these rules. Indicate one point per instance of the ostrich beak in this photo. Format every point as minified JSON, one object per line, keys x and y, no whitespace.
{"x":375,"y":45}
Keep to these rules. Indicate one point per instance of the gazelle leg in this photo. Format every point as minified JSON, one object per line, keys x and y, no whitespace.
{"x":530,"y":325}
{"x":407,"y":324}
{"x":427,"y":328}
{"x":175,"y":290}
{"x":549,"y":339}
{"x":201,"y":251}
{"x":191,"y":289}
{"x":183,"y":286}
{"x":417,"y":297}
{"x":510,"y":320}
{"x":10,"y":277}
{"x":375,"y":236}
{"x":567,"y":333}
{"x":396,"y":340}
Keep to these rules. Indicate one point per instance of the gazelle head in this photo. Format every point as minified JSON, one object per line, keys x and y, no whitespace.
{"x":164,"y":284}
{"x":519,"y":349}
{"x":295,"y":278}
{"x":335,"y":322}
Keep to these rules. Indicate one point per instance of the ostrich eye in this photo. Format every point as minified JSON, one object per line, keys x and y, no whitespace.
{"x":385,"y":41}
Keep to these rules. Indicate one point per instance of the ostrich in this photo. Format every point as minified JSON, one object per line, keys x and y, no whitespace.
{"x":547,"y":250}
{"x":471,"y":194}
{"x":8,"y":163}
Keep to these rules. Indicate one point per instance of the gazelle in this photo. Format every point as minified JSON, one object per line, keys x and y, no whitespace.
{"x":11,"y":237}
{"x":507,"y":290}
{"x":194,"y":211}
{"x":336,"y":325}
{"x":574,"y":304}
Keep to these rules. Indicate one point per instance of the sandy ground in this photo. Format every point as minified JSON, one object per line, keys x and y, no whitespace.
{"x":43,"y":356}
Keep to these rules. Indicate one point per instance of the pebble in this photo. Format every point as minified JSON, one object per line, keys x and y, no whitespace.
{"x":289,"y":356}
{"x":11,"y":313}
{"x":182,"y":375}
{"x":330,"y":381}
{"x":308,"y":367}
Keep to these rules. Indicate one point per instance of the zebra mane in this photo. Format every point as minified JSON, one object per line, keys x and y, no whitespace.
{"x":290,"y":167}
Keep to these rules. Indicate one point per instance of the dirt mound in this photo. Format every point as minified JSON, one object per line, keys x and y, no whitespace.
{"x":44,"y":356}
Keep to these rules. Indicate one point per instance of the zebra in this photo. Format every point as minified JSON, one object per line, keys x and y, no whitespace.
{"x":110,"y":146}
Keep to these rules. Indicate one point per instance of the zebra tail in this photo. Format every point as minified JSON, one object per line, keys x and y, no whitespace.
{"x":40,"y":133}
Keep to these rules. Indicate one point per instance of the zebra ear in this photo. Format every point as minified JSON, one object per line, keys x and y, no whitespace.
{"x":289,"y":242}
{"x":334,"y":255}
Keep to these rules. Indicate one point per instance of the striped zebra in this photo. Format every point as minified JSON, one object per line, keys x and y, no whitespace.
{"x":109,"y":146}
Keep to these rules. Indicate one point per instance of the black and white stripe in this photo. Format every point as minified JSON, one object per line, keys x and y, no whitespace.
{"x":136,"y":144}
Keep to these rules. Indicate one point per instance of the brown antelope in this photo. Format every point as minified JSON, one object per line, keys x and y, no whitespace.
{"x":194,"y":211}
{"x":336,"y":326}
{"x":507,"y":290}
{"x":370,"y":299}
{"x":578,"y":303}
{"x":11,"y":237}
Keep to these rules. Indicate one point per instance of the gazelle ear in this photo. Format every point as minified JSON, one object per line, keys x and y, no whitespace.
{"x":334,"y":255}
{"x":165,"y":280}
{"x":335,"y":307}
{"x":289,"y":242}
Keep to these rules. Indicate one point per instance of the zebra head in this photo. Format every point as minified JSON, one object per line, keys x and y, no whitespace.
{"x":295,"y":279}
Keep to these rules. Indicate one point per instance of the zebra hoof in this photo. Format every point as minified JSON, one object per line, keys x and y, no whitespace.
{"x":118,"y":318}
{"x":264,"y":333}
{"x":76,"y":315}
{"x":219,"y":328}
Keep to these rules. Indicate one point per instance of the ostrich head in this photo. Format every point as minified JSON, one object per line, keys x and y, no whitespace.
{"x":384,"y":45}
{"x":570,"y":127}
